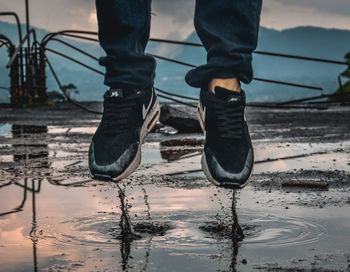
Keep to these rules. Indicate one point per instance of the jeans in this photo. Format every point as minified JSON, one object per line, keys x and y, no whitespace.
{"x":228,"y":30}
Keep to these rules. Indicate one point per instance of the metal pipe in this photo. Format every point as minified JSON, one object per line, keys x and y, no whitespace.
{"x":176,"y":95}
{"x":74,"y":60}
{"x":176,"y":42}
{"x":75,"y":48}
{"x":289,"y":84}
{"x":306,"y":99}
{"x":278,"y":106}
{"x":17,"y":21}
{"x":300,"y":57}
{"x":172,"y":60}
{"x":4,"y":88}
{"x":49,"y":36}
{"x":19,"y":28}
{"x":32,"y":31}
{"x":27,"y":22}
{"x":255,"y":78}
{"x":63,"y":90}
{"x":6,"y":39}
{"x":4,"y":43}
{"x":80,"y":37}
{"x":257,"y":52}
{"x":65,"y":33}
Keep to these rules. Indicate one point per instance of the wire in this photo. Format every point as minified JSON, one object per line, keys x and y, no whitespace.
{"x":74,"y":60}
{"x":164,"y":94}
{"x":64,"y":91}
{"x":75,"y":48}
{"x":256,"y":52}
{"x":255,"y":78}
{"x":177,"y":95}
{"x":172,"y":60}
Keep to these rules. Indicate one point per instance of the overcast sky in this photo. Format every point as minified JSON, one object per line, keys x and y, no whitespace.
{"x":173,"y":18}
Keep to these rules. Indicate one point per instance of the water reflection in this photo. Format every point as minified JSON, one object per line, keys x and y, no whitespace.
{"x":33,"y":190}
{"x":226,"y":226}
{"x":174,"y":150}
{"x":32,"y":154}
{"x":126,"y":235}
{"x":27,"y":149}
{"x":22,"y":202}
{"x":130,"y":231}
{"x":236,"y":233}
{"x":32,"y":233}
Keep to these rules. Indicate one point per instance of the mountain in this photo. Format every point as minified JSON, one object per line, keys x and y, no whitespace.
{"x":304,"y":41}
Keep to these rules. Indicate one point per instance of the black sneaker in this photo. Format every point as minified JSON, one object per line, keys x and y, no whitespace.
{"x":228,"y":156}
{"x":128,"y":116}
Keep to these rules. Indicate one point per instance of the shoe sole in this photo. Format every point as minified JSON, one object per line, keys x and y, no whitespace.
{"x":205,"y":167}
{"x":150,"y":121}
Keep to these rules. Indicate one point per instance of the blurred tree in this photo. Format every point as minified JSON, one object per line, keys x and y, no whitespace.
{"x":56,"y":96}
{"x":346,"y":86}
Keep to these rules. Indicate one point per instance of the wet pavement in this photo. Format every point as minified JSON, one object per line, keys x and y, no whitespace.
{"x":167,"y":216}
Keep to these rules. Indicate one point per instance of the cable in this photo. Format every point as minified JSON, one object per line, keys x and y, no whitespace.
{"x":64,"y":91}
{"x":74,"y":60}
{"x":256,"y":52}
{"x":177,"y":95}
{"x":255,"y":78}
{"x":168,"y":95}
{"x":96,"y":112}
{"x":172,"y":60}
{"x":75,"y":48}
{"x":4,"y":88}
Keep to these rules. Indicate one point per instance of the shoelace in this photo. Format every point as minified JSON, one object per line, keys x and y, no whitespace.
{"x":116,"y":112}
{"x":230,"y":119}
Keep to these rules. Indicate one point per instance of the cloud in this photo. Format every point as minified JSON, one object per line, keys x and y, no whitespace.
{"x":55,"y":14}
{"x":281,"y":14}
{"x":341,"y":7}
{"x":172,"y":19}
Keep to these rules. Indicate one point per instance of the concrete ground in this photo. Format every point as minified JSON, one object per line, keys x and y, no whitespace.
{"x":53,"y":217}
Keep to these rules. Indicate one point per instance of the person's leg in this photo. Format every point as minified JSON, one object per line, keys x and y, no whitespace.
{"x":228,"y":30}
{"x":130,"y":107}
{"x":124,"y":27}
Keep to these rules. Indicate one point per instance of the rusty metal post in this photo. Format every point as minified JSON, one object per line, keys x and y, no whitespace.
{"x":41,"y":76}
{"x":27,"y":23}
{"x":15,"y":88}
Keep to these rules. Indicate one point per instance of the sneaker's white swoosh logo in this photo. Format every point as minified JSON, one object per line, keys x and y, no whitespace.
{"x":204,"y":109}
{"x":144,"y":110}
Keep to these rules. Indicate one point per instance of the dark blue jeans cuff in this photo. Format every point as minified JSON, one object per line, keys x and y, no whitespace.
{"x":201,"y":76}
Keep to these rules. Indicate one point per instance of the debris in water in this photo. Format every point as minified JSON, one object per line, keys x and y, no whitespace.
{"x":183,"y":142}
{"x":152,"y":228}
{"x":305,"y":183}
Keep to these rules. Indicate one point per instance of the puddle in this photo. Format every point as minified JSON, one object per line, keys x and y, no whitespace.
{"x":177,"y":225}
{"x":74,"y":130}
{"x":5,"y":130}
{"x":53,"y":217}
